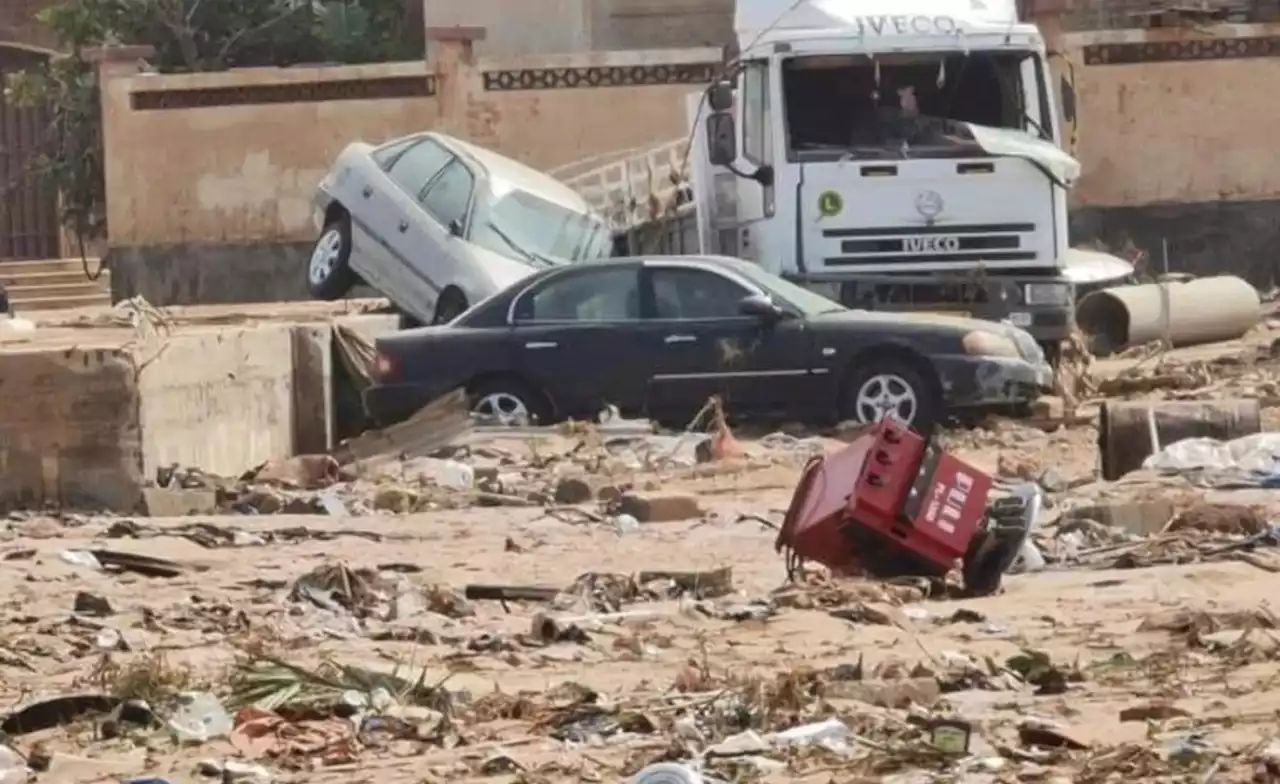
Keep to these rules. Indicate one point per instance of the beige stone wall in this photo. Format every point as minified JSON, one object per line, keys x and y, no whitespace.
{"x":560,"y":26}
{"x":1192,"y":121}
{"x":235,"y":157}
{"x":18,"y":24}
{"x":647,"y":24}
{"x":243,"y":167}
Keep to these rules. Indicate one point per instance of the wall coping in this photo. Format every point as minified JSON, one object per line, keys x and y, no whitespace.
{"x":621,"y":58}
{"x":248,"y":77}
{"x":117,"y":54}
{"x":462,"y":33}
{"x":1162,"y":34}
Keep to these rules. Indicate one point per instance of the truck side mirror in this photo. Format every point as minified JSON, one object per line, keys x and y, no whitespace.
{"x":1068,"y":92}
{"x":722,"y":144}
{"x":720,"y":97}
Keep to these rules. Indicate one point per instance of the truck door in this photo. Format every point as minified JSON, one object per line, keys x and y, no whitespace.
{"x":714,"y":188}
{"x":753,"y":105}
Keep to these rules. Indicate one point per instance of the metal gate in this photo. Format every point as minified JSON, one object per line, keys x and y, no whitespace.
{"x":28,"y":206}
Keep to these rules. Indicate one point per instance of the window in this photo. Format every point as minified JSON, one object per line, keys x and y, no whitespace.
{"x":598,"y":295}
{"x":450,"y":194}
{"x":418,"y":164}
{"x":757,"y":137}
{"x":520,"y":224}
{"x":387,"y":153}
{"x":695,"y":294}
{"x":873,"y":109}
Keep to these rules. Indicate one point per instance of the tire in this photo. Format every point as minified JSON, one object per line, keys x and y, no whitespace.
{"x":329,"y":274}
{"x":897,"y":379}
{"x":451,"y":304}
{"x":509,"y":397}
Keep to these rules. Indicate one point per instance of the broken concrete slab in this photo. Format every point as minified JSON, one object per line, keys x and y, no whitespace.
{"x":1137,"y":516}
{"x":659,"y":508}
{"x":178,"y":502}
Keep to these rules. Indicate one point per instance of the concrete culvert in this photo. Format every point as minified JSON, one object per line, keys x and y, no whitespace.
{"x":1206,"y":310}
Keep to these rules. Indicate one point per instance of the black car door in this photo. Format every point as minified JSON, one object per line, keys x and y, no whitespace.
{"x":576,"y":336}
{"x":705,"y":346}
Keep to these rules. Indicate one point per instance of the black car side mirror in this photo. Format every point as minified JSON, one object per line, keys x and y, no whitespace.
{"x":455,"y":228}
{"x":760,"y":307}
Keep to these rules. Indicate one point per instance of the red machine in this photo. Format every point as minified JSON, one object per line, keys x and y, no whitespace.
{"x":892,"y":504}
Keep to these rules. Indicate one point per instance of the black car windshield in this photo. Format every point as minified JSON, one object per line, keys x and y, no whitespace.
{"x":521,"y":225}
{"x":784,"y":292}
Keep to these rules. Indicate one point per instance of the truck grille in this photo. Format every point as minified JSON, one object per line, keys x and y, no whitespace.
{"x":907,"y":245}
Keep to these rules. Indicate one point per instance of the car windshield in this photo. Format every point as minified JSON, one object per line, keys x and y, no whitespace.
{"x":522,"y":225}
{"x":784,"y":292}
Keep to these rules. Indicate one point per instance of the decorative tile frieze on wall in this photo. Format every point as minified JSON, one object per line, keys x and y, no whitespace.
{"x":287,"y":92}
{"x":599,"y":76}
{"x":1180,"y":51}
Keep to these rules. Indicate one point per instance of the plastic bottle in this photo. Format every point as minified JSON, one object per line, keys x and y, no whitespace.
{"x":668,"y":773}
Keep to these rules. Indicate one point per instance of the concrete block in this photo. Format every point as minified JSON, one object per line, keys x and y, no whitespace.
{"x":659,"y":508}
{"x":218,"y":399}
{"x":312,"y":388}
{"x":1141,"y":517}
{"x":164,"y":502}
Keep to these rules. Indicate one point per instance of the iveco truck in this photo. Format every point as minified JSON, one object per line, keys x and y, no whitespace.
{"x":895,"y":155}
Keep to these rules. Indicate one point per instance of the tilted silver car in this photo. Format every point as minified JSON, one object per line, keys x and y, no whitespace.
{"x":437,"y":225}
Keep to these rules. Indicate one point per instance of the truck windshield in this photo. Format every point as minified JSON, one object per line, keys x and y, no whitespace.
{"x":911,"y":105}
{"x":521,"y":225}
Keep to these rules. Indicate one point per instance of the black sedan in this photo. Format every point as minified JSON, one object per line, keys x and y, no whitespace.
{"x":657,"y":336}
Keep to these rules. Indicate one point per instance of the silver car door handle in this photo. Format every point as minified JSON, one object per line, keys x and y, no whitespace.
{"x":404,"y":226}
{"x":679,"y":339}
{"x":367,"y":192}
{"x":541,"y":344}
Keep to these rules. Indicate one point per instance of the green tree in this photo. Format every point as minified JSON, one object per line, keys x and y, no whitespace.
{"x":188,"y":36}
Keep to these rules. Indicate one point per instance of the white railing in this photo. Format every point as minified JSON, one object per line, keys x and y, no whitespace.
{"x":636,"y":187}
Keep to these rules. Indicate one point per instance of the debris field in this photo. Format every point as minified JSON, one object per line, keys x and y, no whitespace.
{"x":576,"y":604}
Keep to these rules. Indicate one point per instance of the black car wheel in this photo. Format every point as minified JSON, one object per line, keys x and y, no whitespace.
{"x":509,"y":401}
{"x":329,"y":274}
{"x":452,"y":303}
{"x":881,"y":387}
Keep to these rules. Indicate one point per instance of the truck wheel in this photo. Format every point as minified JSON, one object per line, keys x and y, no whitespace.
{"x":883,"y":386}
{"x":329,"y":274}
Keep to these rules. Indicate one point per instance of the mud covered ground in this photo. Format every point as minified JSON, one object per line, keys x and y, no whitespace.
{"x":341,"y":648}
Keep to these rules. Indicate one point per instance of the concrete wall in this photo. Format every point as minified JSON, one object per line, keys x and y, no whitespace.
{"x":219,"y":400}
{"x":578,"y":26}
{"x":88,"y":417}
{"x":1177,"y":140}
{"x":210,"y":177}
{"x":69,"y":430}
{"x":18,"y":24}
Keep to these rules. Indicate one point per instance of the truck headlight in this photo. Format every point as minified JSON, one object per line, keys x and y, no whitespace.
{"x":1048,"y":293}
{"x":981,"y":343}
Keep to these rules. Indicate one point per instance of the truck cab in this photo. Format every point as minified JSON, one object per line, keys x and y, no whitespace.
{"x":896,"y":155}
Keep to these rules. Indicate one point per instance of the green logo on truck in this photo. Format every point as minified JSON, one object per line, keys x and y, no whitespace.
{"x":830,"y":204}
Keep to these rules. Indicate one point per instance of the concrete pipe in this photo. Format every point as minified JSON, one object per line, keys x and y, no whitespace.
{"x":1124,"y":429}
{"x":1206,"y":310}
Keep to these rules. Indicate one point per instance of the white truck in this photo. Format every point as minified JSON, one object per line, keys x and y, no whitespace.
{"x":892,"y":154}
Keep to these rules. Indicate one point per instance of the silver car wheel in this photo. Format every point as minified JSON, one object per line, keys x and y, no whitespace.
{"x":504,"y":407}
{"x":325,"y":255}
{"x":886,"y":395}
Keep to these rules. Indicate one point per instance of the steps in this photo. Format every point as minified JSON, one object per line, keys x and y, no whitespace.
{"x":53,"y":284}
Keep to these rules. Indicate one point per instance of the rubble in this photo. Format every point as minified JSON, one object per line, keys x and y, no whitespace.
{"x":595,"y":601}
